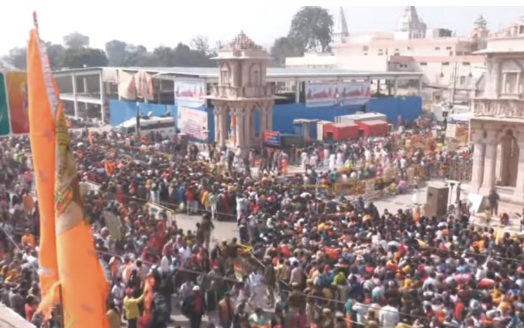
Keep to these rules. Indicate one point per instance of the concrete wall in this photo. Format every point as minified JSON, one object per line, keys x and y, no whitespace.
{"x":283,"y":115}
{"x":408,"y":107}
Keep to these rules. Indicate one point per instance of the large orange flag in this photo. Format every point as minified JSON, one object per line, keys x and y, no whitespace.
{"x":80,"y":275}
{"x":42,"y":107}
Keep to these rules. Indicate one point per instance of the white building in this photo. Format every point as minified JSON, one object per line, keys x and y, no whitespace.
{"x":448,"y":62}
{"x":498,"y":125}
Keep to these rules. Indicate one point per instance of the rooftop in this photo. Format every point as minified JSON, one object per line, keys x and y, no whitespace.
{"x":212,"y":73}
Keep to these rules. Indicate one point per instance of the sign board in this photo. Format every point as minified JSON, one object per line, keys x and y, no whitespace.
{"x":193,"y":122}
{"x":5,"y":129}
{"x":451,"y":130}
{"x":190,"y":93}
{"x":272,"y":138}
{"x":113,"y":224}
{"x":329,"y":94}
{"x":477,"y":202}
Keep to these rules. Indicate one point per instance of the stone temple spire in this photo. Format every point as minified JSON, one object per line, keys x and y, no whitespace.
{"x":341,"y":31}
{"x":409,"y":22}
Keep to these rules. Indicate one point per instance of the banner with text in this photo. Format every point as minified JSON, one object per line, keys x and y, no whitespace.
{"x":193,"y":122}
{"x":345,"y":93}
{"x":272,"y":138}
{"x":190,"y":93}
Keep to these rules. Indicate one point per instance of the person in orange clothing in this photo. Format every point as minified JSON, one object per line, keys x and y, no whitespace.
{"x":28,"y":239}
{"x":29,"y":203}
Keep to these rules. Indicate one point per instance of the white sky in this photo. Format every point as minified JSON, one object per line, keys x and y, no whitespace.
{"x":154,"y":22}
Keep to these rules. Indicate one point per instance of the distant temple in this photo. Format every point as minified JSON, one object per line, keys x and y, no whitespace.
{"x":411,"y":24}
{"x":341,"y":31}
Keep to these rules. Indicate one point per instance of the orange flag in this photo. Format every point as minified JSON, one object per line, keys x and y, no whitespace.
{"x":80,"y":274}
{"x":42,"y":106}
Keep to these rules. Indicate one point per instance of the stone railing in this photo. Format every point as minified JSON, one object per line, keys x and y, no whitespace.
{"x":509,"y":108}
{"x":242,"y":92}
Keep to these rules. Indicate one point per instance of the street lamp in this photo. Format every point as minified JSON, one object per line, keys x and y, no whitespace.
{"x":138,"y":119}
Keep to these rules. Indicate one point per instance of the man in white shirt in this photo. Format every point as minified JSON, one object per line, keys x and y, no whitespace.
{"x":165,"y":263}
{"x":389,"y":316}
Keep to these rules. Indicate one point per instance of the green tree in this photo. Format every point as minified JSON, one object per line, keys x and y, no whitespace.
{"x":116,"y":52}
{"x":139,"y":56}
{"x":285,"y":47}
{"x":312,"y":28}
{"x":76,"y":41}
{"x":55,"y":53}
{"x":83,"y":57}
{"x":17,"y":58}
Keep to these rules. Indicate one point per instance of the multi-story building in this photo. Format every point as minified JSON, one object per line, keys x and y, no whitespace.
{"x":448,"y":62}
{"x":498,"y":124}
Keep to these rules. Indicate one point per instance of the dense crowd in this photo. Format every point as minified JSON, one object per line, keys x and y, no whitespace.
{"x":299,"y":261}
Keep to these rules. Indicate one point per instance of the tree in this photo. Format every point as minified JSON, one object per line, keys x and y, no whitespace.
{"x":55,"y":53}
{"x":139,"y":56}
{"x":76,"y":40}
{"x":312,"y":28}
{"x":285,"y":47}
{"x":201,"y":43}
{"x":84,"y":57}
{"x":116,"y":52}
{"x":17,"y":58}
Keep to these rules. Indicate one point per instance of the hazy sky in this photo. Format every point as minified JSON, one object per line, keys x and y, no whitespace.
{"x":169,"y":22}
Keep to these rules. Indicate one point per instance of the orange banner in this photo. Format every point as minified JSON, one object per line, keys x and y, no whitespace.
{"x":18,"y":102}
{"x":42,"y":137}
{"x":80,"y":274}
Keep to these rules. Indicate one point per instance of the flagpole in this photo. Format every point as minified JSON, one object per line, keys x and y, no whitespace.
{"x":61,"y":297}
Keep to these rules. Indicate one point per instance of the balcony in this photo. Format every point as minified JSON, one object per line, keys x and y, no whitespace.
{"x":242,"y":92}
{"x":503,"y":108}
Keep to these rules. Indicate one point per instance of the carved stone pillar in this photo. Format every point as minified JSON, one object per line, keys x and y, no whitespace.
{"x":519,"y":189}
{"x":251,"y":127}
{"x":269,"y":116}
{"x":221,"y":125}
{"x":490,"y":163}
{"x":217,"y":124}
{"x":240,"y":134}
{"x":477,"y":175}
{"x":263,"y":121}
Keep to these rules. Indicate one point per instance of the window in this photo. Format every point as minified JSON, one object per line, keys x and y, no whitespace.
{"x":445,"y":64}
{"x":437,"y":48}
{"x":521,"y":29}
{"x":466,"y":63}
{"x":462,"y":80}
{"x":409,"y":48}
{"x":510,"y":85}
{"x":449,"y":48}
{"x":380,"y":54}
{"x":423,"y":64}
{"x":224,"y":77}
{"x":397,"y":50}
{"x":365,"y":48}
{"x":397,"y":54}
{"x":365,"y":54}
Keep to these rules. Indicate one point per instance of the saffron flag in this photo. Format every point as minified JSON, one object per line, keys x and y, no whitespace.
{"x":80,"y":275}
{"x":42,"y":106}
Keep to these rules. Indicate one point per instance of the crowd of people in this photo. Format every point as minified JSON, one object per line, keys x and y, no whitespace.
{"x":299,"y":260}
